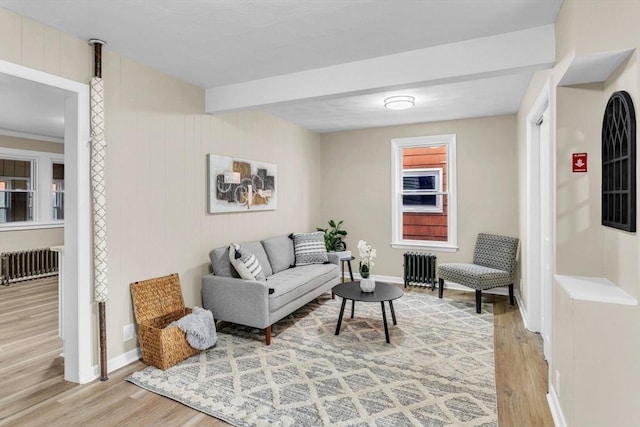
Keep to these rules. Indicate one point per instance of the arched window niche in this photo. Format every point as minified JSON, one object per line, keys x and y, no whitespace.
{"x":619,"y":163}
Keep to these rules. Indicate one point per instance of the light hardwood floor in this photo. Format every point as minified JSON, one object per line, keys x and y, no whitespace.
{"x":33,"y":392}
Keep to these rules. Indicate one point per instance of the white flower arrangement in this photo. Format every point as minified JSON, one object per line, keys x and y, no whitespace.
{"x":367,"y":253}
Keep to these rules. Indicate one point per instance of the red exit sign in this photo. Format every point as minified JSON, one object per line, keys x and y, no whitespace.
{"x":579,"y":161}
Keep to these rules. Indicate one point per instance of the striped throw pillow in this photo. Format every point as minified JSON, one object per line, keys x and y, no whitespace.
{"x":309,"y":248}
{"x":245,"y":263}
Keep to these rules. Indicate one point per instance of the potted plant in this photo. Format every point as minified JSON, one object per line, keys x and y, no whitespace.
{"x":367,"y":254}
{"x":333,"y":236}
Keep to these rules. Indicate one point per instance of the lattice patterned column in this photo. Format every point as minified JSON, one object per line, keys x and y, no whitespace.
{"x":99,"y":201}
{"x":98,"y":190}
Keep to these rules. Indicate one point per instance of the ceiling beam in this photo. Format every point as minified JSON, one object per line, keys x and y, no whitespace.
{"x":525,"y":50}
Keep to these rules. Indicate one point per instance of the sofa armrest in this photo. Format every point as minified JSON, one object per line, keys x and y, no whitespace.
{"x":333,"y":258}
{"x":241,"y":301}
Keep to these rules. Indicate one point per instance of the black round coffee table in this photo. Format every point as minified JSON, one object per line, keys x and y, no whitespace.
{"x":383,"y":292}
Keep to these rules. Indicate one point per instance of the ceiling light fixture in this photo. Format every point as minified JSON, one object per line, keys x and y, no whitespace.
{"x":399,"y":102}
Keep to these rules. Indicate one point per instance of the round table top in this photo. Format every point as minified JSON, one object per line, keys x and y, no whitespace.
{"x":383,"y":292}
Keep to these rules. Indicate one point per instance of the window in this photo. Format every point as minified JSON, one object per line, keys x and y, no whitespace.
{"x":57,"y":189}
{"x":16,"y":190}
{"x":22,"y":174}
{"x":619,"y":163}
{"x":423,"y":193}
{"x":422,"y":190}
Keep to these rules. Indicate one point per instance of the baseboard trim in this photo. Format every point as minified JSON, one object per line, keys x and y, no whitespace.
{"x":523,"y":310}
{"x":388,"y":279}
{"x":119,"y":361}
{"x":556,"y":410}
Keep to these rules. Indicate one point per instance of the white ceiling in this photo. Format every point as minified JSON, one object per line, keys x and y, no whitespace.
{"x":240,"y":44}
{"x":31,"y":109}
{"x":477,"y":98}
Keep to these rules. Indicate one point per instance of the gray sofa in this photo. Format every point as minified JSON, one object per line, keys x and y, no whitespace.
{"x":260,"y":304}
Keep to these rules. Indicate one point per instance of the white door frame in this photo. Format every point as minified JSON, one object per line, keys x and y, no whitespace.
{"x":78,"y":342}
{"x":539,"y":300}
{"x":546,"y":230}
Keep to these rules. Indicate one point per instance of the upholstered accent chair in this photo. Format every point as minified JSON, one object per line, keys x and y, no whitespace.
{"x":494,"y":265}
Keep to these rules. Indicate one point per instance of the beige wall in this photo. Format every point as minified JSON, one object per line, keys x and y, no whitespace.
{"x":31,"y":144}
{"x":30,"y":239}
{"x":595,"y":346}
{"x":592,"y":391}
{"x":158,"y":138}
{"x":356,"y":173}
{"x":578,"y":194}
{"x":591,"y":26}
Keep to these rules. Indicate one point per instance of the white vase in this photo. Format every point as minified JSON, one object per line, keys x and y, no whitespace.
{"x":367,"y":285}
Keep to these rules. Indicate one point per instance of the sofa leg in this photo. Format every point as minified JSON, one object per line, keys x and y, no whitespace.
{"x":440,"y":287}
{"x":267,"y":334}
{"x":511,"y":301}
{"x":333,"y":296}
{"x":478,"y":301}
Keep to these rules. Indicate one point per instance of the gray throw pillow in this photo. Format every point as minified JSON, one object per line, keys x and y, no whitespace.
{"x":309,"y":248}
{"x":220,"y":262}
{"x":280,"y":252}
{"x":245,"y":263}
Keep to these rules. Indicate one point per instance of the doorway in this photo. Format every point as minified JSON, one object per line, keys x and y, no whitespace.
{"x":540,"y":207}
{"x":76,"y":288}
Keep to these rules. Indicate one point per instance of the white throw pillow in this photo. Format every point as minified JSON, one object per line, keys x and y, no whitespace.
{"x":245,"y":263}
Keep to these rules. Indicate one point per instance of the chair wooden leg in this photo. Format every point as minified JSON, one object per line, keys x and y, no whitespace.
{"x":511,"y":301}
{"x":478,"y":301}
{"x":440,"y":287}
{"x":267,"y":334}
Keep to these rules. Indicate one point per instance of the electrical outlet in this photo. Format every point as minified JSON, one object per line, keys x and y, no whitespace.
{"x":557,"y":382}
{"x":128,"y":332}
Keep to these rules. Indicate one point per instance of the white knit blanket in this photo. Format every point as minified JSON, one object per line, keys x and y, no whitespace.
{"x":199,"y":328}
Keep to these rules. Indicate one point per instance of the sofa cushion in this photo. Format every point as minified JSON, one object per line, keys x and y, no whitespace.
{"x":292,"y":283}
{"x":245,"y":263}
{"x":280,"y":252}
{"x":222,"y":266}
{"x":309,"y":248}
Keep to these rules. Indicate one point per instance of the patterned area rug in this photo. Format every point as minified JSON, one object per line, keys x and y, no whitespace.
{"x":437,"y":371}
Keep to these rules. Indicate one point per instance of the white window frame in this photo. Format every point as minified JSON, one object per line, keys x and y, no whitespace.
{"x":397,"y":170}
{"x":437,"y":191}
{"x":42,"y":177}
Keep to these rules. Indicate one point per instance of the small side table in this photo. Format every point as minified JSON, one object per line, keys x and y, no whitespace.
{"x":348,"y":261}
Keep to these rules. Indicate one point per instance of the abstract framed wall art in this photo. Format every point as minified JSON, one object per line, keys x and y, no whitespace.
{"x":240,"y":185}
